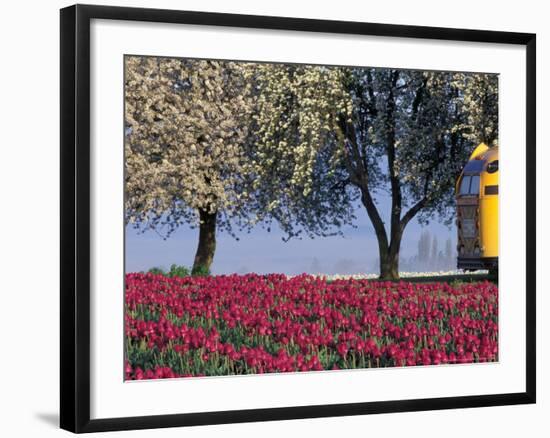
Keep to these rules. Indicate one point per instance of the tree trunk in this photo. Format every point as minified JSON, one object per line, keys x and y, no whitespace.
{"x":389,"y":259}
{"x":207,"y":243}
{"x":389,"y":266}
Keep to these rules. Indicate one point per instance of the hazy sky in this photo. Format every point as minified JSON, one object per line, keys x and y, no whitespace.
{"x":264,"y":252}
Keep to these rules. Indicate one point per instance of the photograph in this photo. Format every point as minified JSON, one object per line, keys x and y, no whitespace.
{"x":285,"y":218}
{"x":287,"y":215}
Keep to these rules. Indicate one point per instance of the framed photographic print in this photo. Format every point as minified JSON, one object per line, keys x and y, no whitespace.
{"x":269,"y":218}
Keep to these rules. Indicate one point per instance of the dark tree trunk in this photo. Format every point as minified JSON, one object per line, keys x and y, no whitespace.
{"x":388,"y":253}
{"x":207,"y":242}
{"x":389,"y":266}
{"x":389,"y":261}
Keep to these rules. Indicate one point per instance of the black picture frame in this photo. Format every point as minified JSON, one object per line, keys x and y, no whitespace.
{"x":75,"y":217}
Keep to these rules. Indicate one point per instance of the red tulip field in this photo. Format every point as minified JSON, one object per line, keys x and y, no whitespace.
{"x":251,"y":324}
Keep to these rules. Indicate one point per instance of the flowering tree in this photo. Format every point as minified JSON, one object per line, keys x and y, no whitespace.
{"x":406,"y":133}
{"x":411,"y":133}
{"x":481,"y":105}
{"x":186,"y":124}
{"x":298,"y":181}
{"x":208,"y":144}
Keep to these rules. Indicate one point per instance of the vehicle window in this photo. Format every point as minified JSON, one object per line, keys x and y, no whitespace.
{"x":474,"y":166}
{"x":465,"y":185}
{"x":474,"y":185}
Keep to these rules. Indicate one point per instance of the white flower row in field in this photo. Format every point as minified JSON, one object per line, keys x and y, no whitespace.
{"x":362,"y":276}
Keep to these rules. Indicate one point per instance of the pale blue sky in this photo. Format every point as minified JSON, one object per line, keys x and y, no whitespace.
{"x":264,"y":252}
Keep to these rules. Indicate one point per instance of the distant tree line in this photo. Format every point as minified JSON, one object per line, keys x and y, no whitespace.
{"x":430,"y":257}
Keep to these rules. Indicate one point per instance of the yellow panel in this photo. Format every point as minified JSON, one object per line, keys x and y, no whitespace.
{"x":489,"y":210}
{"x":481,"y":148}
{"x":489,"y":226}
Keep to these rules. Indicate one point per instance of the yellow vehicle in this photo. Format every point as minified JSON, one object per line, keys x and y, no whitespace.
{"x":477,"y":211}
